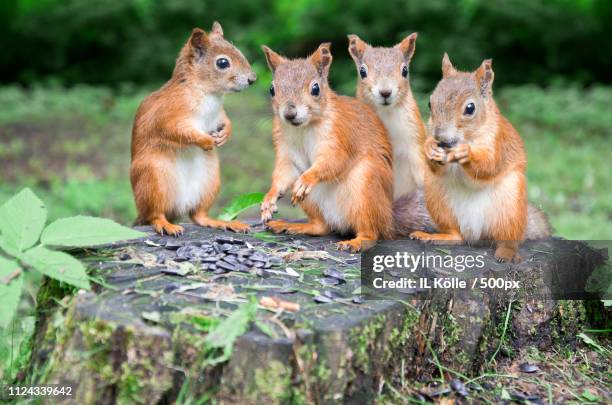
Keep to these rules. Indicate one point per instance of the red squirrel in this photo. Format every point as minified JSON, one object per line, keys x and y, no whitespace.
{"x":175,"y":167}
{"x":384,"y":84}
{"x":332,"y":151}
{"x":476,"y":188}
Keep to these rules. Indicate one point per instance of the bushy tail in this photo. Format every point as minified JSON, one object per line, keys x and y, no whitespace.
{"x":410,"y":214}
{"x":538,"y":226}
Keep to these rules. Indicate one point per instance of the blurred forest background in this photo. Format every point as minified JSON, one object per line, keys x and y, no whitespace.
{"x":72,"y":73}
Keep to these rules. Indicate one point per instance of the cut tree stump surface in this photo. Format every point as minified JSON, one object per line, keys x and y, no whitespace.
{"x":139,"y":336}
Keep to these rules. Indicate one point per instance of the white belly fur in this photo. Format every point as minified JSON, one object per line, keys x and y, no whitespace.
{"x":195,"y":169}
{"x":195,"y":173}
{"x":330,"y":197}
{"x":407,"y":165}
{"x":474,"y":205}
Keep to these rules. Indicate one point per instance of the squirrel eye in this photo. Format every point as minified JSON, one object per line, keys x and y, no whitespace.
{"x":429,"y":105}
{"x":363,"y":72}
{"x":315,"y":90}
{"x":469,"y":109}
{"x":223,"y":63}
{"x":405,"y":71}
{"x":272,"y":93}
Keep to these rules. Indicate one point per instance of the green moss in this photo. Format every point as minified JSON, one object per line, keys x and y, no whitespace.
{"x":362,"y":341}
{"x":570,"y":316}
{"x":452,"y":331}
{"x":272,"y":384}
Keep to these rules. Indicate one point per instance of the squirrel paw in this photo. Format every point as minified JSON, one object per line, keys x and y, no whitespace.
{"x":434,"y":152}
{"x":302,"y":187}
{"x":268,"y":208}
{"x":238,"y":227}
{"x":352,"y":245}
{"x":207,"y":144}
{"x":460,"y":153}
{"x":278,"y":226}
{"x":504,"y":254}
{"x":168,"y":229}
{"x":422,"y":236}
{"x":222,"y":136}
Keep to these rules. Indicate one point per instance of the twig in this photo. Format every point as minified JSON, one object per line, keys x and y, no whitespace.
{"x":13,"y":275}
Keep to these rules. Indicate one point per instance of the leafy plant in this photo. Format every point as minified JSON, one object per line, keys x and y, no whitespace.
{"x":240,"y":204}
{"x":25,"y":243}
{"x":219,"y":343}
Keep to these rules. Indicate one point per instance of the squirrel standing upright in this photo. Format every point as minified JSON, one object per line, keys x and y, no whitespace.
{"x":384,"y":84}
{"x":175,"y":167}
{"x":333,"y":150}
{"x":476,"y":187}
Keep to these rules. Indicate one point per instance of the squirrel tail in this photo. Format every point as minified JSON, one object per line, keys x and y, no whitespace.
{"x":410,"y":214}
{"x":538,"y":226}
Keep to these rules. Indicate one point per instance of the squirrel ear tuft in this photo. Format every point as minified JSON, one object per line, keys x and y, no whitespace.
{"x":198,"y":41}
{"x":217,"y":29}
{"x":484,"y":77}
{"x":322,"y":58}
{"x":408,"y":45}
{"x":447,"y":67}
{"x":272,"y":58}
{"x":356,"y":47}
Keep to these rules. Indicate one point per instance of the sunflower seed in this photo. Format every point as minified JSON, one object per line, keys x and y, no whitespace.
{"x":528,"y":368}
{"x":331,"y":272}
{"x":329,"y":281}
{"x":173,"y":245}
{"x":292,"y":272}
{"x":321,"y":299}
{"x":225,"y":265}
{"x":357,"y":299}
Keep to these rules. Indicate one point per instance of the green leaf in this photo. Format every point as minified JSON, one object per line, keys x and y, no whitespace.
{"x":58,"y":265}
{"x":591,"y":342}
{"x":204,"y":323}
{"x":81,"y":231}
{"x":589,"y":396}
{"x":239,"y":204}
{"x":505,"y":395}
{"x":227,"y":331}
{"x":22,"y":218}
{"x":265,"y":328}
{"x":11,"y":283}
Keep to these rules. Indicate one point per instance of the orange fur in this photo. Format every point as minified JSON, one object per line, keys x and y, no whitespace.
{"x":480,"y":171}
{"x":333,"y":151}
{"x":385,"y":71}
{"x":175,"y":167}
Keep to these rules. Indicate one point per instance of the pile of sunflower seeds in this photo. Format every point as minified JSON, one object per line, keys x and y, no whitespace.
{"x":222,"y":255}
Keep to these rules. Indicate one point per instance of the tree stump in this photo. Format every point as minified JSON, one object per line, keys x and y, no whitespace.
{"x":139,"y":337}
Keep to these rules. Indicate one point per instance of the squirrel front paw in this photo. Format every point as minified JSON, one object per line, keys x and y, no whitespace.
{"x":434,"y":152}
{"x":207,"y":143}
{"x":460,"y":153}
{"x":302,"y":187}
{"x":222,"y":135}
{"x":268,"y":208}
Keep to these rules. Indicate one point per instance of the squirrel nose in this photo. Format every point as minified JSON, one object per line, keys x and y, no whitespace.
{"x":290,"y":115}
{"x":290,"y":112}
{"x":252,"y":77}
{"x":385,"y":93}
